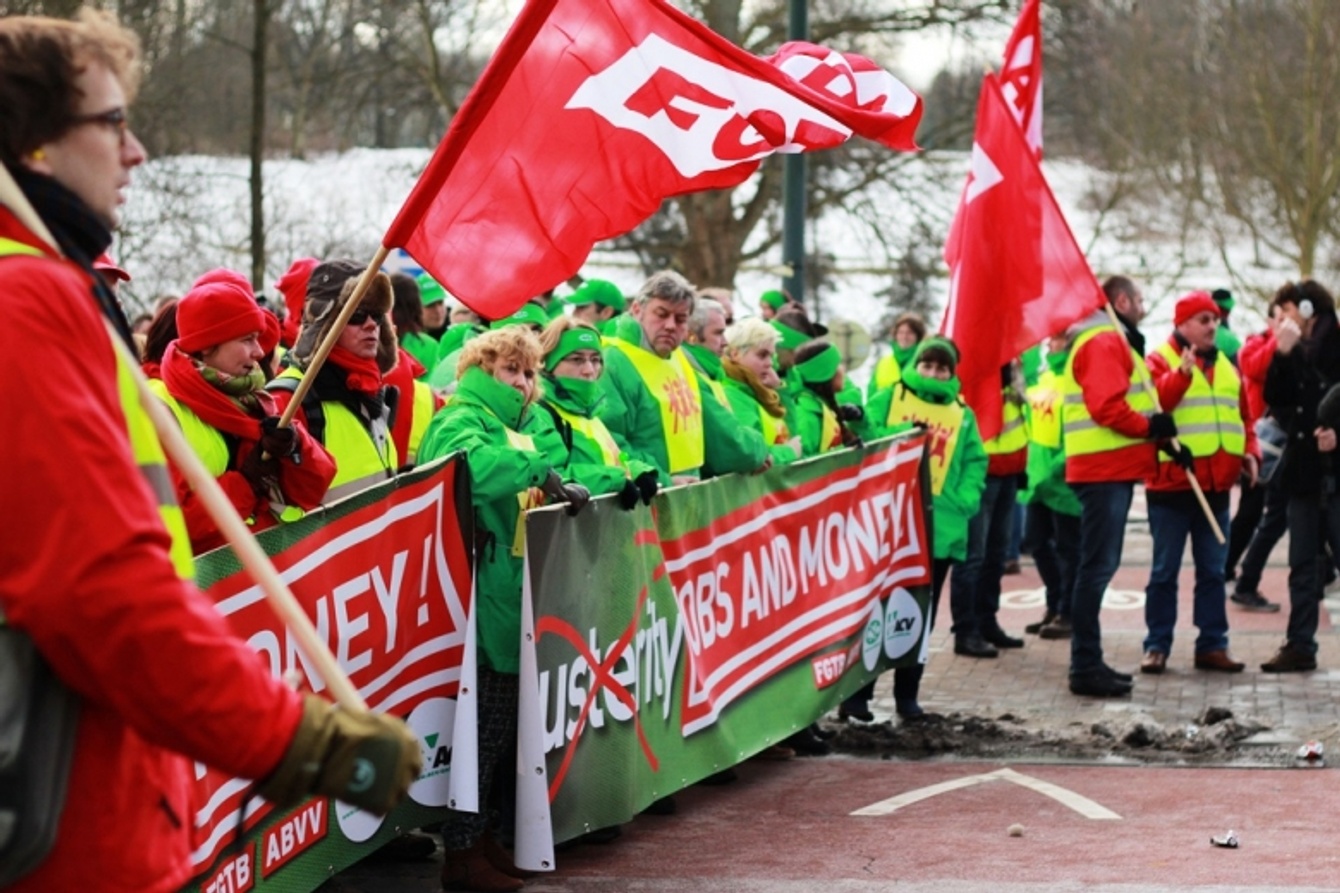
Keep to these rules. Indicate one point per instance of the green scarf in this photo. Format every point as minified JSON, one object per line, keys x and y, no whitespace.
{"x":241,"y":389}
{"x":931,"y":389}
{"x":1056,"y":361}
{"x":575,"y":394}
{"x":902,"y":354}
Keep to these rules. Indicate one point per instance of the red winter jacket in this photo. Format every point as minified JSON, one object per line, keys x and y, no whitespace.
{"x":1217,"y":473}
{"x":1253,"y":360}
{"x":1102,"y":369}
{"x":84,"y":571}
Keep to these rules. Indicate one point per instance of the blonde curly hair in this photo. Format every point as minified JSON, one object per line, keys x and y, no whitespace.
{"x":512,"y":343}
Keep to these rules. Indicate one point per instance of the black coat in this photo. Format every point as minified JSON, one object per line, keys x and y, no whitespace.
{"x":1294,"y":386}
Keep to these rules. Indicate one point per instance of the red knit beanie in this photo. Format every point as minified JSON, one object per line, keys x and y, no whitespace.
{"x":293,"y":286}
{"x":1196,"y":302}
{"x":214,"y":312}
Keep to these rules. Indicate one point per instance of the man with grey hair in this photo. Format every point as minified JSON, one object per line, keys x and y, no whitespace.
{"x":654,"y":402}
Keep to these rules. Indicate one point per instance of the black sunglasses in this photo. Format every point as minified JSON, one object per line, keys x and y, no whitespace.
{"x":362,"y":315}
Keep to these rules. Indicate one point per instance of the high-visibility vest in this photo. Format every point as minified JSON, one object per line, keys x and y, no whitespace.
{"x":718,"y":390}
{"x":594,"y":429}
{"x":363,"y":457}
{"x":206,"y":441}
{"x":943,"y":422}
{"x":526,"y":499}
{"x":422,"y":407}
{"x":1013,"y":435}
{"x":144,"y":446}
{"x":1084,"y":436}
{"x":830,"y":433}
{"x":673,"y":384}
{"x":774,"y":429}
{"x":1044,"y":403}
{"x":887,"y":372}
{"x":1209,"y":415}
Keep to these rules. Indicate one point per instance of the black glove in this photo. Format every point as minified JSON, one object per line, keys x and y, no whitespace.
{"x":261,"y":471}
{"x":277,"y":441}
{"x":850,"y":412}
{"x":368,"y":760}
{"x":629,"y":495}
{"x":647,"y":485}
{"x":575,"y":495}
{"x":1182,"y":456}
{"x":1161,"y":426}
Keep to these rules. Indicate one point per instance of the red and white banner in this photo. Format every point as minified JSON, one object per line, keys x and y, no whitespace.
{"x":594,"y":111}
{"x":1021,"y":73}
{"x":1017,"y":275}
{"x":385,"y":577}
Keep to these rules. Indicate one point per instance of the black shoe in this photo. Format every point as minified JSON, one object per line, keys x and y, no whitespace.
{"x":725,"y":776}
{"x":663,"y":806}
{"x":1002,"y":639}
{"x":1254,"y":601}
{"x":855,"y":714}
{"x":1118,"y":675}
{"x":974,"y":646}
{"x":1290,"y":660}
{"x":826,"y":734}
{"x":1098,"y":684}
{"x":408,"y":847}
{"x":910,"y":711}
{"x":806,"y":744}
{"x":1034,"y":628}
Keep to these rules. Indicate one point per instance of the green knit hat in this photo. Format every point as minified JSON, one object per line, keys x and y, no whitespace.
{"x":430,"y":292}
{"x":942,"y":350}
{"x":530,"y":314}
{"x":577,"y":338}
{"x":791,"y":338}
{"x":821,"y":367}
{"x":773,"y":298}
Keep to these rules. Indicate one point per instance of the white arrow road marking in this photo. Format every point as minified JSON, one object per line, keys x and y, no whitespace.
{"x":1079,"y":803}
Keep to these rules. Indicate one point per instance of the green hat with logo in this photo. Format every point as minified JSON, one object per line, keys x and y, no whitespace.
{"x":430,"y":292}
{"x":574,"y":339}
{"x":599,"y":291}
{"x":530,"y":314}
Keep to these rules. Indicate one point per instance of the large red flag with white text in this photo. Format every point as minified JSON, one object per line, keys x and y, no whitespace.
{"x":1021,"y":73}
{"x":592,"y":112}
{"x":1016,"y":273}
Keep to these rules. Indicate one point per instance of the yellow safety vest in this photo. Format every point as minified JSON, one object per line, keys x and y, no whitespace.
{"x":1209,"y":415}
{"x":1044,"y":403}
{"x":206,"y":441}
{"x":829,"y":436}
{"x":774,"y":429}
{"x":1013,"y":435}
{"x":362,"y":458}
{"x":526,"y":499}
{"x":887,"y":372}
{"x":596,"y":430}
{"x":423,"y":415}
{"x":673,"y":383}
{"x":1084,"y":436}
{"x":943,"y":421}
{"x":144,"y":446}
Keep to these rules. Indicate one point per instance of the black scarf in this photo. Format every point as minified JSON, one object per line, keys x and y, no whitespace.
{"x":79,"y":235}
{"x":1134,"y":337}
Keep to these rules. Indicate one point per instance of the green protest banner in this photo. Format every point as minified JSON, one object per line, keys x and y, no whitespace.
{"x":670,"y":642}
{"x":385,"y":577}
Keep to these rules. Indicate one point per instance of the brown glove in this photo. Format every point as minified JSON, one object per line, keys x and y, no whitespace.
{"x":368,"y":760}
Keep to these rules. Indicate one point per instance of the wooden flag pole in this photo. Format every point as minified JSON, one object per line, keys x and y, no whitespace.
{"x":220,"y":509}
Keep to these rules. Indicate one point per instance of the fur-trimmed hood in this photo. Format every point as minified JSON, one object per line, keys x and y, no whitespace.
{"x":328,"y":290}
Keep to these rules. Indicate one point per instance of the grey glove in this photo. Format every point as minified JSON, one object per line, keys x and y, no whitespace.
{"x":575,"y":495}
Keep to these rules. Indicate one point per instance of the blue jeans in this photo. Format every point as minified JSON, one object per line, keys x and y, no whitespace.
{"x":1171,"y":524}
{"x":1102,"y":525}
{"x":974,"y":588}
{"x":1054,"y":542}
{"x":1314,"y":521}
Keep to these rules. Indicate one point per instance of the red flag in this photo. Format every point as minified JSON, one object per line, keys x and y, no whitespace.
{"x":592,"y":112}
{"x":1021,"y":73}
{"x":1016,"y":273}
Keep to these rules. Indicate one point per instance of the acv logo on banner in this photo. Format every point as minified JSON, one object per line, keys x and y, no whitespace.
{"x":902,"y":624}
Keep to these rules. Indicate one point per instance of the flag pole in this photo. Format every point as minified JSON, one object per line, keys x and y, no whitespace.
{"x":220,"y":509}
{"x":328,"y":343}
{"x":1148,"y":383}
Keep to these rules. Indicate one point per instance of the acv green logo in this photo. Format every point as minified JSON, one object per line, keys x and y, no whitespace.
{"x":873,"y":633}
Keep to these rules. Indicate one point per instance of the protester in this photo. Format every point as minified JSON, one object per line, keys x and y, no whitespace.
{"x":293,"y":287}
{"x":1225,"y":339}
{"x":723,"y":296}
{"x":772,"y":301}
{"x":573,"y":364}
{"x":821,"y":423}
{"x":751,"y":386}
{"x":98,"y":580}
{"x":1110,"y":431}
{"x":213,"y":383}
{"x":162,"y":332}
{"x":705,"y":343}
{"x":1198,"y":384}
{"x":492,"y":421}
{"x":928,"y":396}
{"x":529,"y":314}
{"x":597,"y":302}
{"x":349,"y":407}
{"x":415,"y":406}
{"x":975,"y":584}
{"x":433,"y":300}
{"x":1053,"y":509}
{"x":908,"y":330}
{"x":654,"y":404}
{"x":1305,"y":366}
{"x":409,"y":311}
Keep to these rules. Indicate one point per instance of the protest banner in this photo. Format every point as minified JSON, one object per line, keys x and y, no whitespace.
{"x":385,"y":576}
{"x":664,"y":644}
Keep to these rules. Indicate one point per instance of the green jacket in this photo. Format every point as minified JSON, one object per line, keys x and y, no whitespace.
{"x":965,"y":479}
{"x":746,"y":408}
{"x":476,"y":422}
{"x":633,"y":416}
{"x":422,"y":347}
{"x":584,"y":460}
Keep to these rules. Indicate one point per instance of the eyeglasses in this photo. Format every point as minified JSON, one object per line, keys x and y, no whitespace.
{"x":114,"y":119}
{"x":362,"y":315}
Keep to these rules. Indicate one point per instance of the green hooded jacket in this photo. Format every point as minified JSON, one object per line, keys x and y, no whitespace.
{"x":746,"y":408}
{"x":965,"y":478}
{"x":584,"y":460}
{"x":1046,"y":464}
{"x":476,"y":422}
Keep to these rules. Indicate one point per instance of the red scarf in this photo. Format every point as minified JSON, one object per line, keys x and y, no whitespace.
{"x":214,"y":407}
{"x":364,"y":376}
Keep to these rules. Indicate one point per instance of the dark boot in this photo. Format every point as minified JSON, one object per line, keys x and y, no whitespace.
{"x":469,"y":871}
{"x":502,"y":860}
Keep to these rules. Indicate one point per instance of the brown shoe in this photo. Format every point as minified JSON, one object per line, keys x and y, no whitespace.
{"x":1154,"y":663}
{"x":1219,"y":661}
{"x":469,"y":871}
{"x":502,"y":860}
{"x":1290,"y":660}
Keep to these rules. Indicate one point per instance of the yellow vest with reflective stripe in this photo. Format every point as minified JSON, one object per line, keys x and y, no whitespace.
{"x":1084,"y":436}
{"x":595,"y":430}
{"x":1013,"y":434}
{"x":718,"y":390}
{"x":673,"y":383}
{"x":526,"y":499}
{"x":943,"y":422}
{"x":887,"y":372}
{"x":148,"y":453}
{"x":829,"y":436}
{"x":362,"y":459}
{"x":1209,"y":415}
{"x":206,"y":441}
{"x":423,"y":414}
{"x":774,"y":429}
{"x":1044,"y":403}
